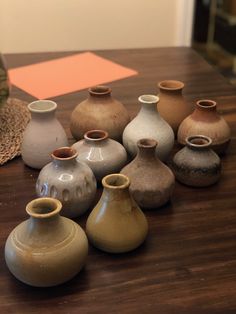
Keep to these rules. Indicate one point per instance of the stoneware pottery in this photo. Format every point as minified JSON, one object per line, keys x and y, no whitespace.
{"x":42,"y":135}
{"x":206,"y":120}
{"x":102,"y":154}
{"x":149,"y":124}
{"x":152,"y":182}
{"x":4,"y":82}
{"x":47,"y":249}
{"x":197,"y":164}
{"x":69,"y":180}
{"x":99,"y":111}
{"x":172,"y":106}
{"x":116,"y":224}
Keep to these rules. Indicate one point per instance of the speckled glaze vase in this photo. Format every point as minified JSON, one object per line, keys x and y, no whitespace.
{"x":69,"y":180}
{"x":99,"y":112}
{"x":102,"y":154}
{"x":206,"y":120}
{"x":152,"y":182}
{"x":4,"y":82}
{"x":172,"y":106}
{"x":42,"y":135}
{"x":47,"y":249}
{"x":197,"y":164}
{"x":149,"y":124}
{"x":116,"y":224}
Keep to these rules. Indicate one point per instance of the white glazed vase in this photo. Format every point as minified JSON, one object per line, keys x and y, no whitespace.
{"x":42,"y":135}
{"x":149,"y":124}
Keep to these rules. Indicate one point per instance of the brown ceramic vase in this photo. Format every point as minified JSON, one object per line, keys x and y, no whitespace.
{"x":99,"y":112}
{"x":197,"y":164}
{"x":172,"y":106}
{"x":205,"y":120}
{"x":152,"y":182}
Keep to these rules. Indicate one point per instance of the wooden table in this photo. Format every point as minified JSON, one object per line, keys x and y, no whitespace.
{"x":188,"y":263}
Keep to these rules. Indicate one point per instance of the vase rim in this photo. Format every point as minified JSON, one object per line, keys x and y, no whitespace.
{"x":99,"y":90}
{"x":116,"y":181}
{"x":147,"y":143}
{"x":148,"y":99}
{"x":206,"y":103}
{"x":44,"y":207}
{"x":198,"y":141}
{"x":64,"y":153}
{"x":42,"y":106}
{"x":96,"y":135}
{"x":171,"y":85}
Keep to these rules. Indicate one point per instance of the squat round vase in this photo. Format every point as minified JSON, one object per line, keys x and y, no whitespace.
{"x":152,"y":182}
{"x":149,"y":124}
{"x":99,"y":111}
{"x":4,"y":82}
{"x":197,"y":164}
{"x":116,"y":224}
{"x":172,"y":106}
{"x":68,"y":180}
{"x":206,"y":120}
{"x":102,"y":154}
{"x":47,"y":249}
{"x":42,"y":135}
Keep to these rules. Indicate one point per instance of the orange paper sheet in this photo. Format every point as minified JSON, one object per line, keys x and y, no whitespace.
{"x":65,"y":75}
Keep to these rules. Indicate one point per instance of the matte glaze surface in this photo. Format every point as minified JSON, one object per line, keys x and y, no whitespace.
{"x":4,"y":82}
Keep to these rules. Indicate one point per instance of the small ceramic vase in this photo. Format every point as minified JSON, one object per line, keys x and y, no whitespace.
{"x":116,"y":224}
{"x":172,"y":106}
{"x":206,"y":120}
{"x":99,"y":111}
{"x":4,"y":82}
{"x":42,"y":135}
{"x":69,"y":180}
{"x":152,"y":182}
{"x":47,"y":249}
{"x":197,"y":164}
{"x":102,"y":154}
{"x":149,"y":124}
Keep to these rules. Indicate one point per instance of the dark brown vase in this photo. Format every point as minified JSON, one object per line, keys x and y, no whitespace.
{"x":99,"y":112}
{"x":205,"y":120}
{"x":152,"y":182}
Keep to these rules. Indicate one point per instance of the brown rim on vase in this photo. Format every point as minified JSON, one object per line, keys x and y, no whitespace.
{"x":171,"y":85}
{"x":206,"y":104}
{"x":147,"y":143}
{"x":116,"y":181}
{"x":96,"y":135}
{"x":198,"y":141}
{"x":43,"y":207}
{"x":41,"y":106}
{"x":99,"y":90}
{"x":64,"y":153}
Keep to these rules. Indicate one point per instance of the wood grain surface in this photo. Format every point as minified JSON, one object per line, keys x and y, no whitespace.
{"x":188,"y":262}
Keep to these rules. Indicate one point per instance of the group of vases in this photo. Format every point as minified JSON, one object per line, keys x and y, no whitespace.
{"x":49,"y":249}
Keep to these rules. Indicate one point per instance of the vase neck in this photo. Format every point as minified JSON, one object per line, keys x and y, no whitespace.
{"x":99,"y":93}
{"x":42,"y":109}
{"x":149,"y":104}
{"x":205,"y":109}
{"x":96,"y":137}
{"x":64,"y":157}
{"x":171,"y":87}
{"x":42,"y":116}
{"x":198,"y":143}
{"x":146,"y":150}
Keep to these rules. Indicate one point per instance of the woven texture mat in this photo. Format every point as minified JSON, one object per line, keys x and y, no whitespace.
{"x":14,"y":117}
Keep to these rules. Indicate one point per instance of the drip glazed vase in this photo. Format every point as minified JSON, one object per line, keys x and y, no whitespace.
{"x":47,"y":249}
{"x":172,"y":106}
{"x":205,"y":120}
{"x":102,"y":154}
{"x":42,"y":135}
{"x":197,"y":164}
{"x":4,"y":82}
{"x":68,"y":180}
{"x":152,"y":182}
{"x":149,"y":124}
{"x":116,"y":224}
{"x":99,"y":111}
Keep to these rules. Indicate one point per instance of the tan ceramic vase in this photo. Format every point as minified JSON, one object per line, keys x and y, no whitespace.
{"x":116,"y":224}
{"x":205,"y":120}
{"x":172,"y":106}
{"x":47,"y":249}
{"x":99,"y":112}
{"x":152,"y":182}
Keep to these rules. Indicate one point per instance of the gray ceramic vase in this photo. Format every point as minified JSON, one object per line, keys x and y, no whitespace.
{"x":68,"y":180}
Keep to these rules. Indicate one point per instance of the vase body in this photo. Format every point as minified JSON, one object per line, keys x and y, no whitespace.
{"x":47,"y":249}
{"x":102,"y":154}
{"x":197,"y":164}
{"x":68,"y":180}
{"x":116,"y":224}
{"x":4,"y":82}
{"x":149,"y":124}
{"x":172,"y":106}
{"x":152,"y":182}
{"x":206,"y":121}
{"x":42,"y":135}
{"x":99,"y":111}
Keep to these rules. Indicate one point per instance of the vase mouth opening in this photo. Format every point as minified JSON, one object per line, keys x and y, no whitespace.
{"x":148,"y":99}
{"x":96,"y":135}
{"x":64,"y":153}
{"x":99,"y":90}
{"x":41,"y":106}
{"x":147,"y":143}
{"x":198,"y":141}
{"x":171,"y":85}
{"x":43,"y":207}
{"x":206,"y":103}
{"x":116,"y":181}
